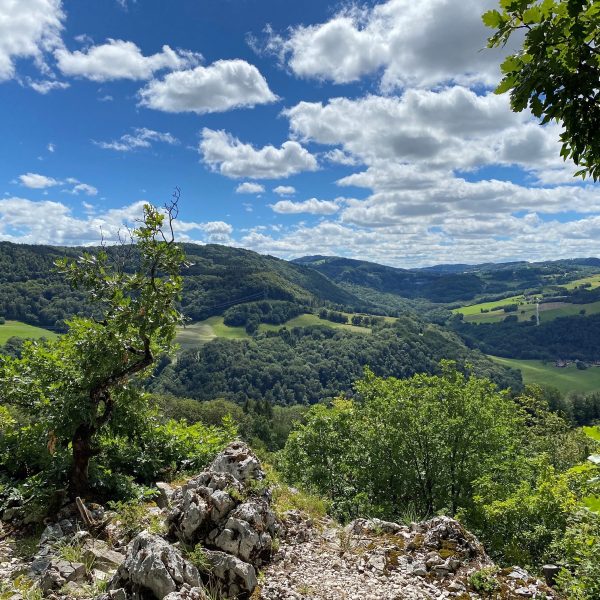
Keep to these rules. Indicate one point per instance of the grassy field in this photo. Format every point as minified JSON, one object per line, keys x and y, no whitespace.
{"x":548,"y":310}
{"x":199,"y":333}
{"x":22,"y":330}
{"x":594,"y":280}
{"x":592,"y":432}
{"x":475,"y":309}
{"x":308,"y":320}
{"x":567,"y":379}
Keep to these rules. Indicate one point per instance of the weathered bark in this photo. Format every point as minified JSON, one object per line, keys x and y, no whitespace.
{"x":82,"y":453}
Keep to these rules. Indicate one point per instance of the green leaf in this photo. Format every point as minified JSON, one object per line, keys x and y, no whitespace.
{"x":505,"y":85}
{"x":537,"y":108}
{"x":493,"y":19}
{"x":512,"y":63}
{"x":532,"y":15}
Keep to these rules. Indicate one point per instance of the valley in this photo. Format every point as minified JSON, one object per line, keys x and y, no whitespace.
{"x":233,"y":295}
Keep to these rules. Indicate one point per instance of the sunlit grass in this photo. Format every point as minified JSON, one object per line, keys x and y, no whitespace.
{"x":566,"y":379}
{"x":22,"y":330}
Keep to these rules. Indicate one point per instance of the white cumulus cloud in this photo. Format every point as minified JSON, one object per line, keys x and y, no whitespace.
{"x":28,"y":29}
{"x":311,"y":206}
{"x":36,"y":181}
{"x":222,"y":86}
{"x":249,"y":187}
{"x":120,"y":59}
{"x":418,"y":44}
{"x":47,"y":85}
{"x":229,"y":156}
{"x":49,"y":222}
{"x":142,"y":137}
{"x":285,"y":190}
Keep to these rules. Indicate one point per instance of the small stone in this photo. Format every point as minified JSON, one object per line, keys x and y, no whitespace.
{"x":456,"y":586}
{"x":440,"y":570}
{"x":51,"y":534}
{"x":377,"y":562}
{"x":98,"y":553}
{"x":165,"y":493}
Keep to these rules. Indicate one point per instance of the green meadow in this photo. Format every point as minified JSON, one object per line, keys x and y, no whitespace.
{"x":201,"y":332}
{"x":566,"y":379}
{"x":22,"y":330}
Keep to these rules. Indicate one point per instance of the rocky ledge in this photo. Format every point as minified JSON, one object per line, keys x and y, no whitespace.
{"x":376,"y":559}
{"x":220,"y":539}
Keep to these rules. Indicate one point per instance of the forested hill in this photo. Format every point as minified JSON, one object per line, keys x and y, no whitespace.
{"x":406,"y":283}
{"x":308,"y":365}
{"x":218,"y":277}
{"x":221,"y":276}
{"x":450,"y":283}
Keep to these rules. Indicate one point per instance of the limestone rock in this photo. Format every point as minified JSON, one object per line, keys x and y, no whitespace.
{"x":238,"y":460}
{"x":154,"y":565}
{"x":446,"y":533}
{"x":236,"y":575}
{"x":101,"y":556}
{"x":188,"y":593}
{"x":165,"y":492}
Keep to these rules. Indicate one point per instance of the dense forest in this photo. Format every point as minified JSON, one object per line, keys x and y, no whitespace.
{"x":309,"y":365}
{"x":573,"y":337}
{"x":215,"y":278}
{"x":452,"y":283}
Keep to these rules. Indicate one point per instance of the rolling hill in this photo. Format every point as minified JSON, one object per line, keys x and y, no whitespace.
{"x":217,"y":277}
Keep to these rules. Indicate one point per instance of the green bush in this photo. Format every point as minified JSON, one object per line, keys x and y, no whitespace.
{"x":417,"y":443}
{"x":484,"y":581}
{"x":520,"y":527}
{"x":579,"y":551}
{"x":162,"y":449}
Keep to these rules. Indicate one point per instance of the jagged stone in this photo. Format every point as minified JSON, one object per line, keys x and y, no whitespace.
{"x":118,"y":594}
{"x":59,"y":572}
{"x":238,"y":460}
{"x":364,"y":526}
{"x":52,"y":533}
{"x":444,"y":532}
{"x":187,"y":593}
{"x":154,"y":565}
{"x":165,"y":492}
{"x":98,"y":553}
{"x":236,"y":575}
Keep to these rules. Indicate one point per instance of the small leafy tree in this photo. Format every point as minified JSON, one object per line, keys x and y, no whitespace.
{"x":414,"y":444}
{"x":85,"y":382}
{"x":557,"y":71}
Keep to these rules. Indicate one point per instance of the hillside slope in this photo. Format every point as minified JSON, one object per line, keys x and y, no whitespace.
{"x":216,"y":278}
{"x":407,"y":283}
{"x":451,"y":283}
{"x":307,"y":365}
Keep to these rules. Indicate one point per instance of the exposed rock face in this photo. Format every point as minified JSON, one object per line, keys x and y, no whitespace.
{"x":153,"y":565}
{"x":226,"y":509}
{"x":238,"y":576}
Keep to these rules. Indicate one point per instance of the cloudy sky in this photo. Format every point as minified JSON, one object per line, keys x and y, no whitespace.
{"x":367,"y":130}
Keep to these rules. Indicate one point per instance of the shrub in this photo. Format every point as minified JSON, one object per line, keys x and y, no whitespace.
{"x":579,"y":550}
{"x":415,"y":443}
{"x":520,"y":527}
{"x":484,"y":581}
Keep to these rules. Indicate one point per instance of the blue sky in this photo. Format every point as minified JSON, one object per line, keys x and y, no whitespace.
{"x":367,"y":130}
